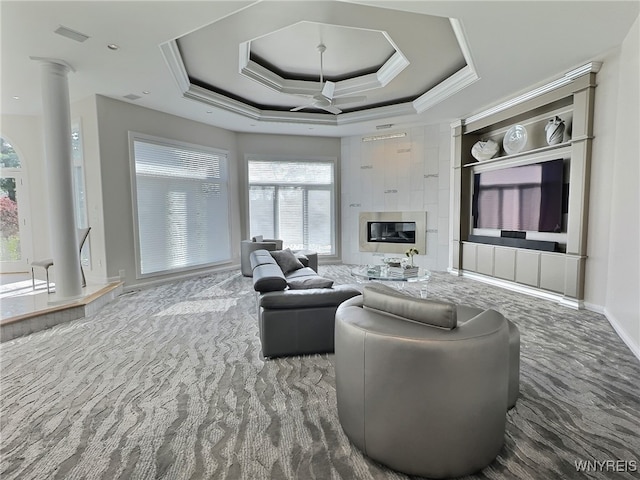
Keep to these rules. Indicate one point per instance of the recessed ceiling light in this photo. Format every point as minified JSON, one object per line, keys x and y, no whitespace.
{"x":113,"y":46}
{"x":209,"y":111}
{"x":16,"y":97}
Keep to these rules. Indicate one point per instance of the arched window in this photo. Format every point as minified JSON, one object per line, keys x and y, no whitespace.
{"x":11,"y":217}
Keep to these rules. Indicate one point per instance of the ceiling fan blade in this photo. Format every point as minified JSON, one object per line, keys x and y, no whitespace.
{"x":331,"y":109}
{"x":297,"y":109}
{"x":328,"y":89}
{"x":345,"y":100}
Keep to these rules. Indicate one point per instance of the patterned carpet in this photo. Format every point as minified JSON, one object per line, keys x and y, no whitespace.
{"x":168,"y":383}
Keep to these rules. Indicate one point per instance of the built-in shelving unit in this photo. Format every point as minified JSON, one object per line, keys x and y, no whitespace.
{"x":559,"y":273}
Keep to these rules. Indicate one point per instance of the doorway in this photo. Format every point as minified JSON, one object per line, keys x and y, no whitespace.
{"x":15,"y":234}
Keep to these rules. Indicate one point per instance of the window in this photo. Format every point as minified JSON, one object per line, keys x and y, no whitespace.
{"x":79,"y":190}
{"x":181,"y":205}
{"x":293,"y":200}
{"x":10,"y":183}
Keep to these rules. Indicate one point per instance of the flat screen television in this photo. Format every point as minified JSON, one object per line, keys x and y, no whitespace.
{"x":523,"y":198}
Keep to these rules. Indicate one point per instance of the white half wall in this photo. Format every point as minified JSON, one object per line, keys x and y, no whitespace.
{"x":401,"y":174}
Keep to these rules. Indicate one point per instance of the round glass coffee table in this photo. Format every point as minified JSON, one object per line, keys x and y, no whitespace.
{"x":382,"y":273}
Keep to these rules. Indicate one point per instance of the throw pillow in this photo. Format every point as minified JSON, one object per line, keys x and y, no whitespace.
{"x":286,"y":260}
{"x":257,"y":238}
{"x":305,"y":283}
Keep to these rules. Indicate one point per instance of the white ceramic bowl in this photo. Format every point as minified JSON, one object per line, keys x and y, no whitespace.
{"x":485,"y":149}
{"x":515,"y":139}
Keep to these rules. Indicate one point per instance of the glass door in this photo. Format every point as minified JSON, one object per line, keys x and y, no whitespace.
{"x":14,"y":238}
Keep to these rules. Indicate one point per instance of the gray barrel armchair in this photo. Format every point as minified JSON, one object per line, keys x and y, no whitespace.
{"x":422,"y":386}
{"x":256,"y":243}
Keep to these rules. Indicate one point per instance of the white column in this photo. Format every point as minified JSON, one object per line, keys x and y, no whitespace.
{"x":56,"y":120}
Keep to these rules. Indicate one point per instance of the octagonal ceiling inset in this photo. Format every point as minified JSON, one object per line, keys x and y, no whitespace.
{"x":261,"y":61}
{"x":298,"y":60}
{"x":349,"y":71}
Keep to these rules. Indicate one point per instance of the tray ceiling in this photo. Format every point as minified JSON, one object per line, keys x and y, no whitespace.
{"x":253,"y":53}
{"x":266,"y":61}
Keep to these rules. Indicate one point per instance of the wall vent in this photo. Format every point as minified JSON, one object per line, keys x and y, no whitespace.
{"x":72,"y":34}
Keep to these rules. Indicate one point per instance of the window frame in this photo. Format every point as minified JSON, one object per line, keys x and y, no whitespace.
{"x":81,"y":205}
{"x":334,"y":192}
{"x":21,"y":174}
{"x":168,"y":142}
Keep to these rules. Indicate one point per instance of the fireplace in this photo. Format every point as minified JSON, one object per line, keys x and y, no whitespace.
{"x":392,"y":232}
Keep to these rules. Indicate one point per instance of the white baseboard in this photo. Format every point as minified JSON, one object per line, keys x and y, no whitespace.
{"x":622,"y":333}
{"x":592,"y":307}
{"x":516,"y":287}
{"x":571,"y":303}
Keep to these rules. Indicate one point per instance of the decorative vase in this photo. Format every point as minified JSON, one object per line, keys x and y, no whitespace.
{"x":485,"y":149}
{"x":554,"y":130}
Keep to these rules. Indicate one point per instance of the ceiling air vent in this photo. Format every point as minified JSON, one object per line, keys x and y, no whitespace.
{"x":72,"y":34}
{"x":131,"y":96}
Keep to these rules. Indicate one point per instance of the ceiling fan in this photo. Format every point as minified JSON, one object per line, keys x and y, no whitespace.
{"x":324,"y":99}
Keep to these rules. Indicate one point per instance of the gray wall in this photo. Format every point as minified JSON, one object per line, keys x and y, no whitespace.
{"x":115,"y":120}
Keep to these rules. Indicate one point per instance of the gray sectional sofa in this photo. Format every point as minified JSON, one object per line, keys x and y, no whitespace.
{"x":296,"y":306}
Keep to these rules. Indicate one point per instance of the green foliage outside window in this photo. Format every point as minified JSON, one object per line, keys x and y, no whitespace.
{"x":9,"y":223}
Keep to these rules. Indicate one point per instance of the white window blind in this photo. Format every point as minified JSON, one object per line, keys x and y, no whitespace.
{"x":182,"y":207}
{"x":293,"y":200}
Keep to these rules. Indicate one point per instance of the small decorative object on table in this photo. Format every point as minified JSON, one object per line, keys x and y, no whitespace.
{"x":392,"y":261}
{"x":554,"y":130}
{"x":403,"y":272}
{"x":410,"y":253}
{"x":515,"y":139}
{"x":485,"y":149}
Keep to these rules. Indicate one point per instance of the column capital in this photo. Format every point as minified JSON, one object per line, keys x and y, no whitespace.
{"x":54,"y":61}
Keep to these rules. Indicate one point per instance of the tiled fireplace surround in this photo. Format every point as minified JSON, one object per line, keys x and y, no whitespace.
{"x":409,"y":174}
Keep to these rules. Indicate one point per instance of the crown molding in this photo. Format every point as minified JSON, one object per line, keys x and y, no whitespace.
{"x":362,"y":83}
{"x":450,"y":86}
{"x":173,"y":59}
{"x":214,"y":99}
{"x":566,"y":79}
{"x":54,"y":61}
{"x":391,"y":68}
{"x":378,"y":113}
{"x":456,"y":82}
{"x":458,"y":30}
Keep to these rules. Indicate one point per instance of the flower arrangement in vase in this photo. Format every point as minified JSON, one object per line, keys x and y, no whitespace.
{"x":410,"y":253}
